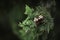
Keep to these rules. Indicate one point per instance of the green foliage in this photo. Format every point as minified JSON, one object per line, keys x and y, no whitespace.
{"x":28,"y":10}
{"x":30,"y":30}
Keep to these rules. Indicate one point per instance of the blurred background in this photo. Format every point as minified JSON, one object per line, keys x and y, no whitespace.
{"x":6,"y":6}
